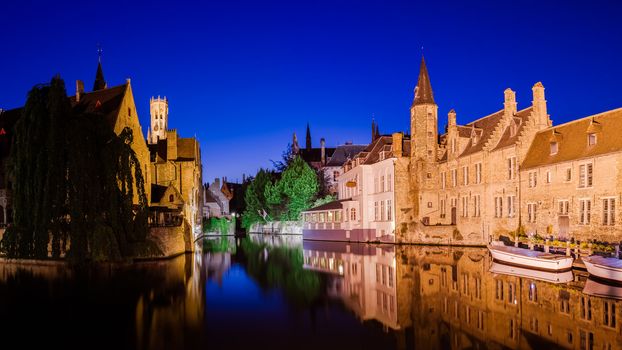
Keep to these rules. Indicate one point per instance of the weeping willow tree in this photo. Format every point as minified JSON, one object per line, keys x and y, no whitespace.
{"x":74,"y":183}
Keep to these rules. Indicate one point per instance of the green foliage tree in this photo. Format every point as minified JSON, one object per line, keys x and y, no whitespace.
{"x":74,"y":180}
{"x":255,"y":199}
{"x":299,"y":186}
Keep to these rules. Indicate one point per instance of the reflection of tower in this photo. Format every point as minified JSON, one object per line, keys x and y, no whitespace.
{"x":159,"y":119}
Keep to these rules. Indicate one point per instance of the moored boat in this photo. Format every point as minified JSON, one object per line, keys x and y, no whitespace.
{"x":604,"y":268}
{"x":547,"y":276}
{"x":601,"y":289}
{"x":530,"y":258}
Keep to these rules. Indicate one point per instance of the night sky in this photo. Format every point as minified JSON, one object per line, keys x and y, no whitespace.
{"x":244,"y":75}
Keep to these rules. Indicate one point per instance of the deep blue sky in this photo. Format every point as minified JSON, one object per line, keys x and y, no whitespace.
{"x":244,"y":75}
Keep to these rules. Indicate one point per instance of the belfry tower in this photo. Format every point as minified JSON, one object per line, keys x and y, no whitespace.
{"x":159,"y":119}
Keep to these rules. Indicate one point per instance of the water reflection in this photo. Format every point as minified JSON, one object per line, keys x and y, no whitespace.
{"x":280,"y":292}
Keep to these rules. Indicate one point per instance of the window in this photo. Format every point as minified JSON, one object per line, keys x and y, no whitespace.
{"x":511,"y":168}
{"x":562,"y":207}
{"x":585,"y":210}
{"x":499,"y":290}
{"x":465,"y":175}
{"x":512,"y":293}
{"x":476,"y":205}
{"x":171,"y":198}
{"x":389,"y":210}
{"x":549,"y":177}
{"x":443,"y":277}
{"x":335,"y":175}
{"x":533,"y":292}
{"x":443,"y":179}
{"x":586,"y":308}
{"x":478,"y":287}
{"x":585,"y":175}
{"x":511,"y":206}
{"x":382,"y":183}
{"x":465,"y":207}
{"x":591,"y":139}
{"x":498,"y":207}
{"x":465,"y":284}
{"x":478,"y":173}
{"x":533,"y":179}
{"x":609,"y":211}
{"x":569,"y":174}
{"x":586,"y":340}
{"x":511,"y":329}
{"x":454,"y":177}
{"x":353,"y":214}
{"x":480,"y":320}
{"x":376,"y":216}
{"x":532,"y":212}
{"x":609,"y":313}
{"x":382,"y":211}
{"x":554,"y":148}
{"x":338,"y":216}
{"x":443,"y":209}
{"x":389,"y":182}
{"x":376,"y":185}
{"x":564,"y":306}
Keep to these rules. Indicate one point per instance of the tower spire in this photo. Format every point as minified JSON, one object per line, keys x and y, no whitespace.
{"x":423,"y":90}
{"x":308,"y":145}
{"x":100,"y":82}
{"x":373,"y":129}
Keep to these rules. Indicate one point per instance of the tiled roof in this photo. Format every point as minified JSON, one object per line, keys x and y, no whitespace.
{"x":157,"y":191}
{"x":343,"y":153}
{"x":106,"y":102}
{"x":186,"y":148}
{"x":383,"y":143}
{"x":314,"y":155}
{"x":487,"y":125}
{"x":572,"y":140}
{"x":334,"y":205}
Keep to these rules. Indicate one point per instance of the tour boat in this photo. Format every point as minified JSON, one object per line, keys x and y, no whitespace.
{"x":529,"y":258}
{"x":603,"y":290}
{"x":605,"y":268}
{"x":546,"y":276}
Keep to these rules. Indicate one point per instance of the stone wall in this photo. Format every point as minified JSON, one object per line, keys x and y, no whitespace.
{"x":172,"y":240}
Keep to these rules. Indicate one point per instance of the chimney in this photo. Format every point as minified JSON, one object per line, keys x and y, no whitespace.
{"x":217,"y":181}
{"x":397,"y":144}
{"x":79,"y":89}
{"x":509,"y":104}
{"x":539,"y":106}
{"x":451,"y":118}
{"x":323,"y":146}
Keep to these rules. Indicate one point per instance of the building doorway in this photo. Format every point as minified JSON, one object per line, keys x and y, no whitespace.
{"x":453,"y":215}
{"x":563,"y":222}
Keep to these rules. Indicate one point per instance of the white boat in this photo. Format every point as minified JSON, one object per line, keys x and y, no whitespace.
{"x":601,"y":289}
{"x":547,"y":276}
{"x":605,"y":268}
{"x":530,"y":258}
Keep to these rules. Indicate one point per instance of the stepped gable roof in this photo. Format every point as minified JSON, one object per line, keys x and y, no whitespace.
{"x":487,"y":125}
{"x":572,"y":140}
{"x":209,"y":198}
{"x":507,"y":139}
{"x":343,"y":153}
{"x":106,"y":101}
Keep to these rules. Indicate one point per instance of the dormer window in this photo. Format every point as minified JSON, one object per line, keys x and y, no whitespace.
{"x":591,"y":139}
{"x":554,"y":148}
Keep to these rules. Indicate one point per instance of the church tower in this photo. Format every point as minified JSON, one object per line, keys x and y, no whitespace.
{"x":424,"y":119}
{"x":159,"y":119}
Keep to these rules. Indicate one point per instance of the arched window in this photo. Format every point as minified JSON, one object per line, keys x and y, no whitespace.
{"x":171,"y":198}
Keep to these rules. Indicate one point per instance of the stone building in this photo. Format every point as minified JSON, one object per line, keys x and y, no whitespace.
{"x":176,"y":162}
{"x":314,"y":156}
{"x":217,"y":197}
{"x":571,"y":180}
{"x":463,"y":185}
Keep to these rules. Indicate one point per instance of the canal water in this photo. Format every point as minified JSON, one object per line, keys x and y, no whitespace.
{"x":278,"y":292}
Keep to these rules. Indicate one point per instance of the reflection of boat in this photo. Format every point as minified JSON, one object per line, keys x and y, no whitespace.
{"x":547,"y":276}
{"x":601,"y":289}
{"x":529,"y":258}
{"x":606,"y":268}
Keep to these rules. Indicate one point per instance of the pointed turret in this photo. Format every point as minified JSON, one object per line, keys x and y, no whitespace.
{"x":100,"y":83}
{"x":308,"y":145}
{"x":373,"y":130}
{"x":423,"y":90}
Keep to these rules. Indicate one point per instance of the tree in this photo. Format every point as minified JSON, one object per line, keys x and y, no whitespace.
{"x":286,"y":159}
{"x":255,"y":199}
{"x":299,"y":186}
{"x":74,"y":180}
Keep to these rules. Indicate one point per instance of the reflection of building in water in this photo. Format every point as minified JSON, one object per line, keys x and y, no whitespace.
{"x":282,"y":240}
{"x":362,"y":276}
{"x":459,"y":304}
